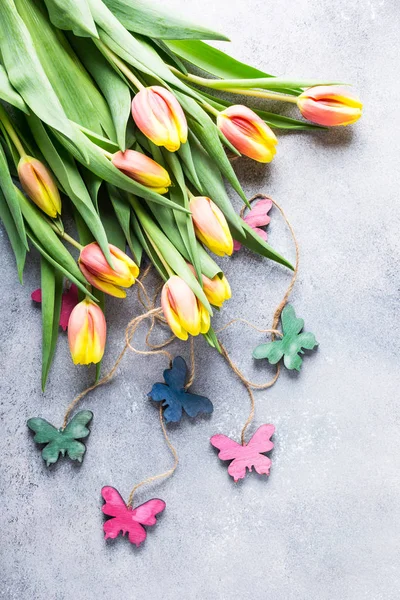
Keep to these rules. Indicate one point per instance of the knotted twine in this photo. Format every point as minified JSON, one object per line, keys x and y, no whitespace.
{"x":155,"y":314}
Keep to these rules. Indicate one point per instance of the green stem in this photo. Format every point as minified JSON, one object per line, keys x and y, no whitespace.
{"x":65,"y":236}
{"x":262,"y":94}
{"x":120,"y":64}
{"x":146,"y":224}
{"x":228,"y":85}
{"x":11,"y":132}
{"x":210,"y":109}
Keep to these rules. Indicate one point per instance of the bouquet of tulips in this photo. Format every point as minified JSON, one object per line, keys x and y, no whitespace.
{"x":102,"y":118}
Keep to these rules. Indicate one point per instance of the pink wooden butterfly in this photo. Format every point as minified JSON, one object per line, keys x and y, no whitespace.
{"x":257,"y":217}
{"x":126,"y":518}
{"x":249,"y":455}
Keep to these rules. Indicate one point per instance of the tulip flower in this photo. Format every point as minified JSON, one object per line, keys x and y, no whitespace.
{"x":142,"y":169}
{"x":39,"y":185}
{"x":185,"y":314}
{"x":217,"y":289}
{"x":87,"y":333}
{"x":160,"y":117}
{"x":98,"y":272}
{"x":249,"y":134}
{"x":210,"y":226}
{"x":330,"y":105}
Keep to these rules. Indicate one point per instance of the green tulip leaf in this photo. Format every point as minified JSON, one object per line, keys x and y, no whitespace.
{"x":25,"y":71}
{"x":292,"y":343}
{"x":72,"y":16}
{"x":52,"y":287}
{"x":17,"y":244}
{"x":62,"y":441}
{"x":8,"y":93}
{"x":10,"y":194}
{"x":80,"y":98}
{"x":114,"y":88}
{"x":149,"y":19}
{"x":123,"y":212}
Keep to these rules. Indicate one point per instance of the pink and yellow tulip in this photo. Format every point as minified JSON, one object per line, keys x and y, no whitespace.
{"x":210,"y":226}
{"x":87,"y":333}
{"x":248,"y":133}
{"x":98,"y":272}
{"x":160,"y":117}
{"x":39,"y":185}
{"x":185,"y":314}
{"x":330,"y":105}
{"x":142,"y":169}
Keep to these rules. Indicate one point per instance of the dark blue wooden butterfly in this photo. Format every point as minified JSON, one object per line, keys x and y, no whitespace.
{"x":174,"y":396}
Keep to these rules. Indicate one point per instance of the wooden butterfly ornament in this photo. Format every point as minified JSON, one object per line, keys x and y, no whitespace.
{"x":291,"y":346}
{"x":174,"y":395}
{"x":126,"y":519}
{"x":62,"y":441}
{"x":247,"y":455}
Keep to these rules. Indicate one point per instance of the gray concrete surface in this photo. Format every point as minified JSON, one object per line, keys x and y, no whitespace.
{"x":325,"y":525}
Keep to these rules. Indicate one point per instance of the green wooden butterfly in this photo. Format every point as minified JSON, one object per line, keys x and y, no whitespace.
{"x":61,"y":441}
{"x":291,"y":344}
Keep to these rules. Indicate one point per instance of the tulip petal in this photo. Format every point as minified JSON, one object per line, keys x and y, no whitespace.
{"x":103,"y":286}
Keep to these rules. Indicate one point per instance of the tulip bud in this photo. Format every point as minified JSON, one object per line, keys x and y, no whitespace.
{"x":98,"y":272}
{"x":217,"y":289}
{"x":185,"y":314}
{"x":87,"y":333}
{"x":142,"y":169}
{"x":210,"y":226}
{"x":160,"y":117}
{"x":330,"y":105}
{"x":249,"y":134}
{"x":39,"y":185}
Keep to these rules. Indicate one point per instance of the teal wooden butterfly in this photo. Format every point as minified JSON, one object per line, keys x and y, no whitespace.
{"x":291,"y":344}
{"x":62,"y":441}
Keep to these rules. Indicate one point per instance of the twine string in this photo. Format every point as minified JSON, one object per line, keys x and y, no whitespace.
{"x":154,"y":313}
{"x":250,"y":385}
{"x":160,"y":475}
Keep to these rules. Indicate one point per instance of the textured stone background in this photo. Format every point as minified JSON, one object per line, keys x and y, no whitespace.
{"x":325,"y":525}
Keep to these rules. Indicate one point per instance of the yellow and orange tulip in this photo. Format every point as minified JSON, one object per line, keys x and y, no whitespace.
{"x":98,"y":272}
{"x":210,"y":226}
{"x":248,"y":133}
{"x":330,"y":105}
{"x":160,"y":117}
{"x":185,"y":314}
{"x":39,"y":185}
{"x":217,"y":289}
{"x":142,"y":169}
{"x":87,"y":333}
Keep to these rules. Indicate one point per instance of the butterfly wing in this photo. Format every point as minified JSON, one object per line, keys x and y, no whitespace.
{"x":45,"y":432}
{"x":122,"y":517}
{"x":169,"y":398}
{"x":291,"y":325}
{"x":76,"y":428}
{"x":260,"y":442}
{"x":145,"y":514}
{"x":114,"y":505}
{"x":175,"y":377}
{"x":273,"y":351}
{"x":257,"y":216}
{"x":194,"y":404}
{"x":228,"y":448}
